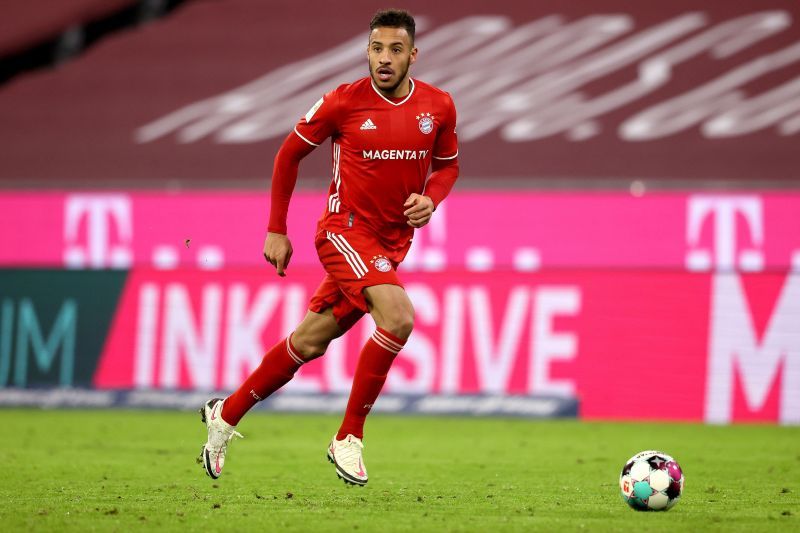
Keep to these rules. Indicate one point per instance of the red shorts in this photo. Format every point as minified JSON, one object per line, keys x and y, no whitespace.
{"x":354,"y":259}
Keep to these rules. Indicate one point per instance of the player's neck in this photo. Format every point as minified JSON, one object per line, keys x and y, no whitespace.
{"x":400,"y":92}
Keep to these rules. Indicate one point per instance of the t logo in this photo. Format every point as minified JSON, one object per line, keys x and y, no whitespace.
{"x":722,"y":255}
{"x":97,"y":214}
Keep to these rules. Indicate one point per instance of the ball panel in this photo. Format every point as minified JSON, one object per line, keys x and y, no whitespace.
{"x":637,"y":504}
{"x":627,"y":468}
{"x":659,"y":480}
{"x":658,"y":501}
{"x":626,"y":486}
{"x":640,"y":470}
{"x":674,"y":490}
{"x":674,"y":470}
{"x":657,"y":462}
{"x":642,"y":490}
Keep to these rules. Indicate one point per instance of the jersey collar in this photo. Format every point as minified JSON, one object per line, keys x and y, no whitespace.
{"x":401,"y":102}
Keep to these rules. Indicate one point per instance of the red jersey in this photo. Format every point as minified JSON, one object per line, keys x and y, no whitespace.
{"x":381,"y":152}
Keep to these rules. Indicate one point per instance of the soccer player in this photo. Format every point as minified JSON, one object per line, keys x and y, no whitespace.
{"x":387,"y":130}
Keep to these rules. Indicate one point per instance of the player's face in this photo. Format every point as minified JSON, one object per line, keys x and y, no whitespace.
{"x":390,"y":53}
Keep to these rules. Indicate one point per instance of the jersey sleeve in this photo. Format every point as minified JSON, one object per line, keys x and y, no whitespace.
{"x":446,"y":146}
{"x":321,"y":121}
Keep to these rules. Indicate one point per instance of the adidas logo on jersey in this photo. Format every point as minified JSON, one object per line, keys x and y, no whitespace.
{"x":369,"y":125}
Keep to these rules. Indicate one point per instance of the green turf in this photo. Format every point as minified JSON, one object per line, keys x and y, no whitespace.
{"x":128,"y":470}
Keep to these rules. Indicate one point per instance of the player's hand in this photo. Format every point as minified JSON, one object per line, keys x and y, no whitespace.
{"x":420,"y":210}
{"x":278,"y":251}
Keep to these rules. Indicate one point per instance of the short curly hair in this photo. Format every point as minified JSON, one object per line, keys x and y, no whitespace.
{"x":394,"y":18}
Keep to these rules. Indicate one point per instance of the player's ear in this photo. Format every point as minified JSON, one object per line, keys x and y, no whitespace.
{"x":413,"y":56}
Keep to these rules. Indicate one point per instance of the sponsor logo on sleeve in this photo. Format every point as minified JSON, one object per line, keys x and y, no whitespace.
{"x":313,"y":110}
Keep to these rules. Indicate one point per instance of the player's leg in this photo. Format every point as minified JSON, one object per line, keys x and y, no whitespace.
{"x":394,"y":317}
{"x":309,"y":341}
{"x":393,"y":313}
{"x":360,"y":266}
{"x":391,"y":309}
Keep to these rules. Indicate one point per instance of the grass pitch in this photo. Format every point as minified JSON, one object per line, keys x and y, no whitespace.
{"x":130,"y":470}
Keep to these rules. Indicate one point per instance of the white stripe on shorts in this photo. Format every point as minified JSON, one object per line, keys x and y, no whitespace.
{"x":349,"y":254}
{"x":347,"y":246}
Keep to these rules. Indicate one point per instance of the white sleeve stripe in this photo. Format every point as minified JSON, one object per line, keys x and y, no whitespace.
{"x":337,"y":155}
{"x":451,"y":157}
{"x":306,"y":140}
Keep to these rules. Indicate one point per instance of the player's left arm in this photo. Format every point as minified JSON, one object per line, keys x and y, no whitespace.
{"x":444,"y":173}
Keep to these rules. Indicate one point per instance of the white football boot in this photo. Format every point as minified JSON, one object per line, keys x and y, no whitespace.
{"x":220,"y":433}
{"x":346,"y":455}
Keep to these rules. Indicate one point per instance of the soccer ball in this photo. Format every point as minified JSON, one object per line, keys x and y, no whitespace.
{"x":651,"y":481}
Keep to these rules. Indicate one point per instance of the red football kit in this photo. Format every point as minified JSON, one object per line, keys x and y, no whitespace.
{"x":382,"y":150}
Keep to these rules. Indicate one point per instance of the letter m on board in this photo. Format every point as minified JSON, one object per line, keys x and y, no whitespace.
{"x":22,"y":340}
{"x":758,"y":365}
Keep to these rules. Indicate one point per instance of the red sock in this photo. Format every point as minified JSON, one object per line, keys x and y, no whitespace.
{"x":276,"y":370}
{"x":373,"y":366}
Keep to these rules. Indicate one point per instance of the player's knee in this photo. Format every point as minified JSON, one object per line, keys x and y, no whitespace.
{"x":404,"y":327}
{"x":309,"y":348}
{"x":313,"y":335}
{"x":399,"y":323}
{"x":310,"y":343}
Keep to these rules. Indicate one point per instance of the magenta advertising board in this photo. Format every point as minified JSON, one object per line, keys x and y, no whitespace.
{"x":719,"y":347}
{"x":477,"y":231}
{"x":692,"y":298}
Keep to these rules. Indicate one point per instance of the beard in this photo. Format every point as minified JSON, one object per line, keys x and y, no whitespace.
{"x":399,"y":72}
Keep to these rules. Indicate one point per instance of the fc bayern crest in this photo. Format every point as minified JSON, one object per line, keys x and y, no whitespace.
{"x":381,"y":263}
{"x":425,"y":122}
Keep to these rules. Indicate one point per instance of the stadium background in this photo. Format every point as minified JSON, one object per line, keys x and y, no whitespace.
{"x":628,"y":205}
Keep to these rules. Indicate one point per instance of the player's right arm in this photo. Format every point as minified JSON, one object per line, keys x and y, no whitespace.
{"x":313,"y":128}
{"x":277,"y":246}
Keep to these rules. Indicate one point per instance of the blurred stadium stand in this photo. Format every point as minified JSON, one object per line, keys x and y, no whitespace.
{"x":38,"y":33}
{"x":587,"y":94}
